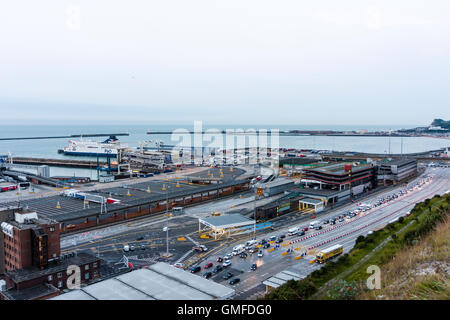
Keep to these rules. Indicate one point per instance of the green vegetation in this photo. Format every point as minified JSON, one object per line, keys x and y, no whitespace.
{"x":405,"y":232}
{"x":441,"y":123}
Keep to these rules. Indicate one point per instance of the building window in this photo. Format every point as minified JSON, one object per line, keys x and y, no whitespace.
{"x":95,"y":265}
{"x":50,"y":278}
{"x":59,"y":274}
{"x":86,"y":267}
{"x":95,"y":274}
{"x":86,"y":276}
{"x":59,"y":284}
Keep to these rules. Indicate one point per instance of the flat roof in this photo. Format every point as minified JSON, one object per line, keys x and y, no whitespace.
{"x":32,"y":293}
{"x":227,"y":221}
{"x":311,"y":201}
{"x":160,"y":281}
{"x":319,"y":192}
{"x":73,"y":209}
{"x":399,"y":162}
{"x":278,"y":182}
{"x":298,"y":160}
{"x":282,"y":277}
{"x":338,"y":168}
{"x":29,"y":273}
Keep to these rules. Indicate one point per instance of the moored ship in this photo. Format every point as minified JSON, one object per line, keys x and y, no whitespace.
{"x":107,"y":148}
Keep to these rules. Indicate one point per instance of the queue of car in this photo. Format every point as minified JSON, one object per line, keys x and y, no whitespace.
{"x":254,"y":246}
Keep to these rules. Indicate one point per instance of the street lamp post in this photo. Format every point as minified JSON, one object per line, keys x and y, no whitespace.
{"x":254,"y":213}
{"x":166,"y":228}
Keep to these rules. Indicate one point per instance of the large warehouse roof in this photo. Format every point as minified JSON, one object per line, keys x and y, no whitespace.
{"x":160,"y":281}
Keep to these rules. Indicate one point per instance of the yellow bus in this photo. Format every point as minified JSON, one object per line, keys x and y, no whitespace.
{"x":329,"y":253}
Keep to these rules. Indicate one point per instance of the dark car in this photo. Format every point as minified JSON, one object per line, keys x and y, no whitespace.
{"x":196,"y":269}
{"x":263,"y":242}
{"x":279,"y":240}
{"x":253,"y":267}
{"x":208,"y":265}
{"x":140,"y":238}
{"x":219,"y":259}
{"x":301,"y":233}
{"x":253,"y":250}
{"x":217,"y":268}
{"x":267,"y":245}
{"x":326,"y":221}
{"x":207,"y":274}
{"x":243,"y":255}
{"x":318,"y":227}
{"x":228,"y":275}
{"x":234,"y":281}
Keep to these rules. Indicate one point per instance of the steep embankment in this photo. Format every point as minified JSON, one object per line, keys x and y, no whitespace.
{"x":422,"y":271}
{"x":412,"y":254}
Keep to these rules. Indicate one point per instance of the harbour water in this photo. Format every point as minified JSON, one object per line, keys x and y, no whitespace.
{"x":48,"y":148}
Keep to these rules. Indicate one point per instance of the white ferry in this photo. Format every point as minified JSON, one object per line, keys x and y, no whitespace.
{"x":107,"y":148}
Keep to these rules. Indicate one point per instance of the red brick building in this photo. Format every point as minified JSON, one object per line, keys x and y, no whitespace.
{"x":29,"y":241}
{"x":34,"y":266}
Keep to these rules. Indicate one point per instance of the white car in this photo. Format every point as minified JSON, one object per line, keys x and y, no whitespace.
{"x":228,"y":256}
{"x":226,"y":263}
{"x":178,"y":265}
{"x":260,"y":254}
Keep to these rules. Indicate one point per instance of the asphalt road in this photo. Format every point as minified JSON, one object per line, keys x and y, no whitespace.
{"x":344,"y":233}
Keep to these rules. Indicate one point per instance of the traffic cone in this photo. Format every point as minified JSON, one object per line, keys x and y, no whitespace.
{"x":58,"y":206}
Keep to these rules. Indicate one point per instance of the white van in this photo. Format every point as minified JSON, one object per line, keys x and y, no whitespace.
{"x":250,"y":243}
{"x":293,"y":231}
{"x":313,"y":224}
{"x":238,"y":249}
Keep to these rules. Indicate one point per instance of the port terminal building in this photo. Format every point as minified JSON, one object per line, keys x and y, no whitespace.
{"x":339,"y":181}
{"x":397,"y":170}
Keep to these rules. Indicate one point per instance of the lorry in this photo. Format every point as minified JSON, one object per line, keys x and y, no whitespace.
{"x":329,"y":253}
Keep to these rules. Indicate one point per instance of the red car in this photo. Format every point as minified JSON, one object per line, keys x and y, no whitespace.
{"x":305,"y":229}
{"x":208,"y":265}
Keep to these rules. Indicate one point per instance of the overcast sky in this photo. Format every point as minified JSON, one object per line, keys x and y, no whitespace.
{"x":229,"y":61}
